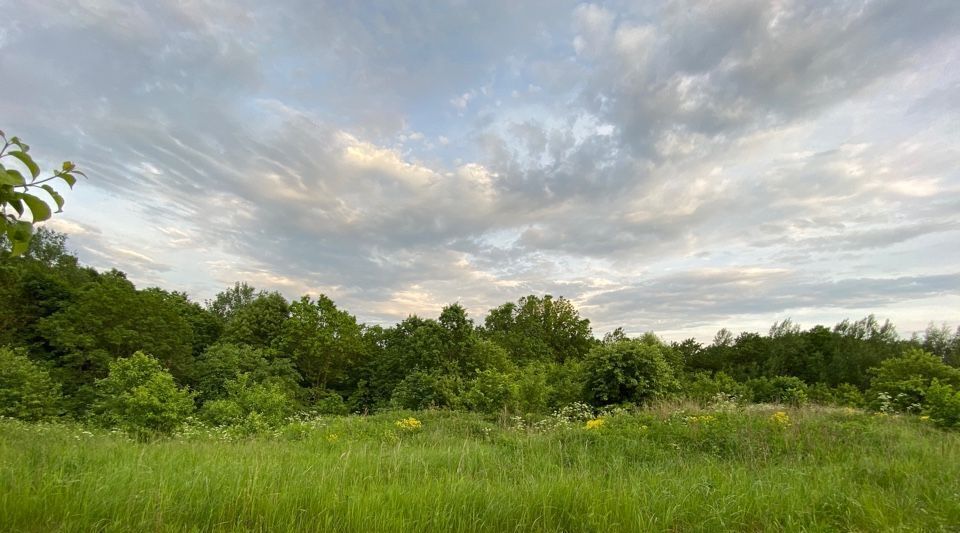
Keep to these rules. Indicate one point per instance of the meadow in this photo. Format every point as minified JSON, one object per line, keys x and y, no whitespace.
{"x":665,"y":468}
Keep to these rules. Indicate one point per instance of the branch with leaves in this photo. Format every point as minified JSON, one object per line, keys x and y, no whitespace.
{"x":17,"y":192}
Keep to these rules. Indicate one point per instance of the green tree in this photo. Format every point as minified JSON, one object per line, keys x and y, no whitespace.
{"x":324,"y":342}
{"x":540,"y":329}
{"x":18,"y":192}
{"x":108,"y":320}
{"x":26,"y":390}
{"x":259,"y":322}
{"x":139,"y":396}
{"x":224,"y":362}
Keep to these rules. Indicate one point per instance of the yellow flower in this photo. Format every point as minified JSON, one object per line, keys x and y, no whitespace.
{"x":333,"y":437}
{"x":702,"y":419}
{"x":408,"y":424}
{"x":924,"y":418}
{"x":596,"y":423}
{"x":780,"y":418}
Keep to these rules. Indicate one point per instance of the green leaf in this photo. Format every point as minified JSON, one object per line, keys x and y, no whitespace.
{"x":9,"y":179}
{"x":18,"y":247}
{"x":27,"y":161}
{"x":16,"y":177}
{"x":17,"y":205}
{"x":55,"y":195}
{"x":67,"y":178}
{"x":38,"y":208}
{"x":68,"y":166}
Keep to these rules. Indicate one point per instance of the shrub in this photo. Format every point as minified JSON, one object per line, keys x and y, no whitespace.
{"x":422,"y":390}
{"x":26,"y":390}
{"x":327,"y":402}
{"x":532,"y":389}
{"x":491,"y":392}
{"x":788,"y":390}
{"x":628,"y":371}
{"x":250,"y":404}
{"x":565,"y":383}
{"x":139,"y":396}
{"x":903,"y":381}
{"x":943,"y":405}
{"x":704,"y":388}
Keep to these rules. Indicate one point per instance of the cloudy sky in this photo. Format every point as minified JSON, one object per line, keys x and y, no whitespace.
{"x":676,"y":166}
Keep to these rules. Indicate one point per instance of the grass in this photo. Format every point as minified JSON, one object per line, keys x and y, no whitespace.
{"x":748,"y":470}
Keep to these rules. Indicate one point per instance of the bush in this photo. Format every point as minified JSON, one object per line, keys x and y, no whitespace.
{"x":139,"y":396}
{"x":704,"y":388}
{"x":943,"y":405}
{"x":327,"y":402}
{"x":901,"y":383}
{"x":421,"y":390}
{"x":788,"y":390}
{"x":491,"y":392}
{"x":565,"y":383}
{"x":250,"y":404}
{"x":532,"y":389}
{"x":26,"y":390}
{"x":628,"y":371}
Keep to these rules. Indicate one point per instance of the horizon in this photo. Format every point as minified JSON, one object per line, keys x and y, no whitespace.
{"x":676,"y":168}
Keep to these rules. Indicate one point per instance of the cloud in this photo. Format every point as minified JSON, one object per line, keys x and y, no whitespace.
{"x":671,"y":164}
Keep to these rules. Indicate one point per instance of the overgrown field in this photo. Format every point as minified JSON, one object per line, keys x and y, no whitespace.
{"x":756,"y":468}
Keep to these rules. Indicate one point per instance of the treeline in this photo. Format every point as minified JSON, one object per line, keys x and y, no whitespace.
{"x":89,"y":345}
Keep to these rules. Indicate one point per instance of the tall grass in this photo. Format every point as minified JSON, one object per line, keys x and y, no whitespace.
{"x":824,"y":470}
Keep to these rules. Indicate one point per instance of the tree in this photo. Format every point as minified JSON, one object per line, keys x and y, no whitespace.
{"x":224,"y":362}
{"x":108,"y":320}
{"x":259,"y":322}
{"x":17,"y":192}
{"x":628,"y":371}
{"x":540,"y":329}
{"x":227,"y":302}
{"x":323,"y":341}
{"x":139,"y":396}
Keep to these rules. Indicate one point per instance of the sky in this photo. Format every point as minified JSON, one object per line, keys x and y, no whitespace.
{"x":675,"y":166}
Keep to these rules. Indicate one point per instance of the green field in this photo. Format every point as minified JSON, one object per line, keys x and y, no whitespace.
{"x":666,"y":469}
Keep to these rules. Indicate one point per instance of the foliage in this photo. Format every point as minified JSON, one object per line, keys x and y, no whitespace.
{"x":540,"y":329}
{"x":491,"y":392}
{"x":904,"y":380}
{"x":703,"y":387}
{"x":26,"y":390}
{"x":422,"y":390}
{"x":139,"y":396}
{"x":224,"y":362}
{"x":628,"y":371}
{"x":943,"y":404}
{"x":324,"y":342}
{"x":250,"y":405}
{"x":18,"y":192}
{"x":788,"y":390}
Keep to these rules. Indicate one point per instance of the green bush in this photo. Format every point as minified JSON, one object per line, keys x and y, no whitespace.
{"x":26,"y":390}
{"x":251,"y":404}
{"x":788,"y":390}
{"x":491,"y":392}
{"x":703,"y":387}
{"x":901,"y":383}
{"x":422,"y":390}
{"x":532,"y":389}
{"x":327,"y":402}
{"x":565,"y":383}
{"x":943,"y":405}
{"x":628,"y":371}
{"x":140,"y":396}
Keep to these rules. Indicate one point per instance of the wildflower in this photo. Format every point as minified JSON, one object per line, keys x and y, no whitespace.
{"x":333,"y":437}
{"x":408,"y":424}
{"x":595,"y":423}
{"x":924,"y":418}
{"x":702,"y":419}
{"x":780,"y":419}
